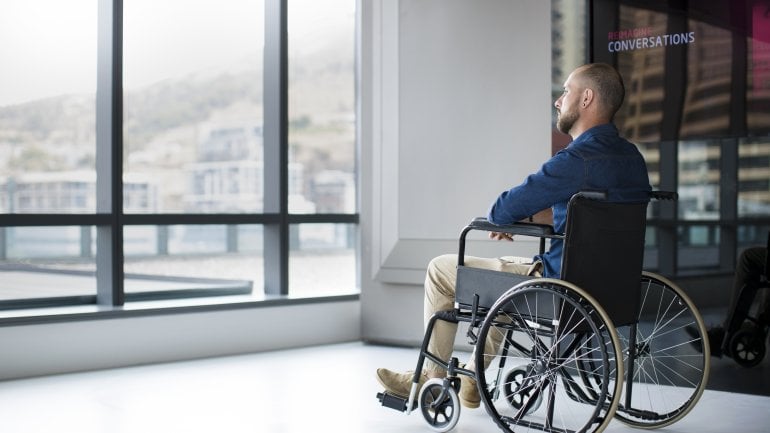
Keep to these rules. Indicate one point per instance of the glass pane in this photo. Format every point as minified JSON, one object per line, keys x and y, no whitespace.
{"x":706,"y":105}
{"x":322,"y":260}
{"x":752,"y":236}
{"x":754,"y":177}
{"x":193,"y":105}
{"x":46,"y":262}
{"x":679,"y":63}
{"x":699,"y":180}
{"x":190,"y":260}
{"x":698,"y":247}
{"x":651,"y":154}
{"x":568,"y":39}
{"x":47,"y":106}
{"x":322,"y":152}
{"x":640,"y":116}
{"x":758,"y":62}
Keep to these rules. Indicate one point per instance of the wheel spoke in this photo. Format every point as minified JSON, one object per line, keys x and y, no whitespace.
{"x":561,"y":376}
{"x":670,"y":368}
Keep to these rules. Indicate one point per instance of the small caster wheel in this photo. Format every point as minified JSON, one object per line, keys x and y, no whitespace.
{"x":747,"y":347}
{"x":439,"y":404}
{"x":519,"y":388}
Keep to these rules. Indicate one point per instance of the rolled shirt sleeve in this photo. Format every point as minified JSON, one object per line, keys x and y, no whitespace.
{"x":556,"y":181}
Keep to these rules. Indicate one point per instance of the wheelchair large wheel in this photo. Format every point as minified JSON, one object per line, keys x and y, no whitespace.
{"x":545,"y":360}
{"x":672,"y":359}
{"x":519,"y":388}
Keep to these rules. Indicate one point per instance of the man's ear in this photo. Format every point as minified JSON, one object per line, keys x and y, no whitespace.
{"x":587,"y":97}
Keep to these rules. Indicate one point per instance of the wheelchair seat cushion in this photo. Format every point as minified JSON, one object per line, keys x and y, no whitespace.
{"x":489,"y":285}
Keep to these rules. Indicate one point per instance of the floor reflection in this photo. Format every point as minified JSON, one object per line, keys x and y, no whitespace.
{"x":727,"y":375}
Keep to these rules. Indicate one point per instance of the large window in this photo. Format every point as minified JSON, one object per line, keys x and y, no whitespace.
{"x":322,"y":153}
{"x":195,"y":148}
{"x":696,"y":76}
{"x":47,"y":125}
{"x":321,"y":139}
{"x":193,"y":105}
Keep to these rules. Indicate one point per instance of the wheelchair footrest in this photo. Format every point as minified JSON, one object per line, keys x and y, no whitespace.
{"x":394,"y":401}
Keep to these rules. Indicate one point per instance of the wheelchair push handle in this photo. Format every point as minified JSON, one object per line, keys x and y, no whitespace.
{"x":664,"y":195}
{"x":654,"y":195}
{"x":591,"y":195}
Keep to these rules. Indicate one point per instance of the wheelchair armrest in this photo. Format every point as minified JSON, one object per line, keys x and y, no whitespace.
{"x":541,"y":231}
{"x":520,"y":228}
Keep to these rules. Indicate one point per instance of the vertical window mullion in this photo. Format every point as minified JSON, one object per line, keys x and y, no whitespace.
{"x":109,"y":153}
{"x":728,"y":202}
{"x":276,"y":153}
{"x":668,"y":250}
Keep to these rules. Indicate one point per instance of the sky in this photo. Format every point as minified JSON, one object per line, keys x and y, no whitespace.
{"x":47,"y":47}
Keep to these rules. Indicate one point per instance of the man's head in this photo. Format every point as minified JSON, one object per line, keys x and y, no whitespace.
{"x":592,"y":95}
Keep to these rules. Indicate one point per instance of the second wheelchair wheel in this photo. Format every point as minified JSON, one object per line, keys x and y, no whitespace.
{"x":747,"y":347}
{"x":519,"y":388}
{"x":546,"y":324}
{"x":671,"y":359}
{"x":439,"y":404}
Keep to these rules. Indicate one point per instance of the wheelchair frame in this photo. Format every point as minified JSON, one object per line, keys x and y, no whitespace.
{"x":564,"y":337}
{"x":745,"y":335}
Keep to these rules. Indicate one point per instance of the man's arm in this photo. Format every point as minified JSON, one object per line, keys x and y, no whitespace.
{"x":545,"y":217}
{"x":556,"y":181}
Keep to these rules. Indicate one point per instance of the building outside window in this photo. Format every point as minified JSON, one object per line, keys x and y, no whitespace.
{"x":192,"y":149}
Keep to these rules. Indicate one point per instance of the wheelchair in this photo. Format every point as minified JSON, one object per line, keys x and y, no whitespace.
{"x":745,"y":337}
{"x":571,"y":354}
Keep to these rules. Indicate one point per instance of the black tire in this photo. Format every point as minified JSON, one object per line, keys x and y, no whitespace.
{"x":747,"y":347}
{"x":519,"y":389}
{"x":439,"y":405}
{"x":672,"y":361}
{"x":544,"y":323}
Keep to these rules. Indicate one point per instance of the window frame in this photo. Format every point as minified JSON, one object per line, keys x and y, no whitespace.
{"x":110,"y":218}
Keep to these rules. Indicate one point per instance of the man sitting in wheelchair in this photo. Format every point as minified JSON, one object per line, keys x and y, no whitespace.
{"x":597,"y":159}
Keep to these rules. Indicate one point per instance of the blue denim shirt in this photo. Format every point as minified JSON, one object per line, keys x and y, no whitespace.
{"x":597,"y":160}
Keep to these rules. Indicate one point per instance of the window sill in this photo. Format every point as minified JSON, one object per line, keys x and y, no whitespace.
{"x":33,"y":316}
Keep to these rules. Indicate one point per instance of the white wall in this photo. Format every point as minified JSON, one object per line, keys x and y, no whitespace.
{"x":33,"y":350}
{"x":455,"y":109}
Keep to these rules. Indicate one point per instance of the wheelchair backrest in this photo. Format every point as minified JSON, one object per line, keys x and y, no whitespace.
{"x":604,"y":252}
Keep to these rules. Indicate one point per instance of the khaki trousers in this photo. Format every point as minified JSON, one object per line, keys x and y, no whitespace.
{"x":440,"y":295}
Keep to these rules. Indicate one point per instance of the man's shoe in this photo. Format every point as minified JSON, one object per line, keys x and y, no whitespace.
{"x":398,"y":384}
{"x":469,"y":392}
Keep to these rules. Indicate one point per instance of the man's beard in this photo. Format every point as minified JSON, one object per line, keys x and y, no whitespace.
{"x":566,"y":121}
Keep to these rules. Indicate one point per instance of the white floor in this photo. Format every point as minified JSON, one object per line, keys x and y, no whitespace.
{"x":327,"y":388}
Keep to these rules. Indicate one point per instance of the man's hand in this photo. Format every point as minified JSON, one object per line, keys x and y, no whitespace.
{"x":500,"y":236}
